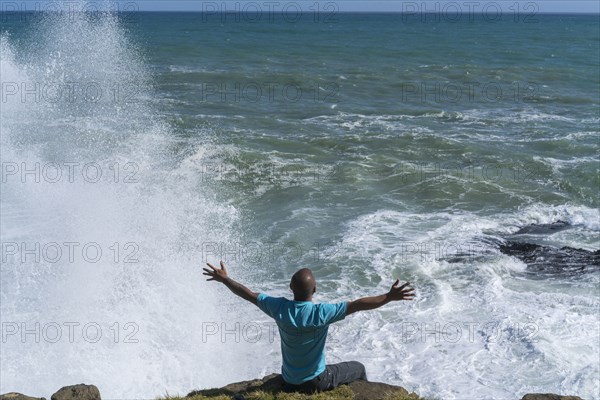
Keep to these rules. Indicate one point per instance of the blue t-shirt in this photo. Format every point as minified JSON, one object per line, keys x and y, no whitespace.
{"x":303,"y":329}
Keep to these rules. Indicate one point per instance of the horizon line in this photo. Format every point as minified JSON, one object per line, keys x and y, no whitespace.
{"x":312,"y":12}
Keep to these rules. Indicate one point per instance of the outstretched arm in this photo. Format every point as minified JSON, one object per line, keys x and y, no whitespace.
{"x":220,"y":275}
{"x":404,"y":292}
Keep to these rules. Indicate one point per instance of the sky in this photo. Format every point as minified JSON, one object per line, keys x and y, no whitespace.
{"x":444,"y":6}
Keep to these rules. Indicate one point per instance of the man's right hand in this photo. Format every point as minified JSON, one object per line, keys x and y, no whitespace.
{"x":404,"y":292}
{"x":215,"y":274}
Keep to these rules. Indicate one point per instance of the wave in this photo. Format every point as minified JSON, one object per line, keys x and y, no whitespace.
{"x":115,"y":216}
{"x":477,"y":321}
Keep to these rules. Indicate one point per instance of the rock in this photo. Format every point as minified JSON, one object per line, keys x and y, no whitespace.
{"x":546,"y":260}
{"x":18,"y":396}
{"x":548,"y":396}
{"x":544,"y":229}
{"x":273,"y":383}
{"x":364,"y":390}
{"x":270,"y":383}
{"x":542,"y":260}
{"x":77,"y":392}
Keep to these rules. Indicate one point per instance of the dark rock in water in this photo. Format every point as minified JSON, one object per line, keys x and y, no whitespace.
{"x":480,"y":249}
{"x":548,"y":396}
{"x":18,"y":396}
{"x":77,"y":392}
{"x":544,"y":229}
{"x":542,"y":259}
{"x":550,"y":260}
{"x":273,"y":383}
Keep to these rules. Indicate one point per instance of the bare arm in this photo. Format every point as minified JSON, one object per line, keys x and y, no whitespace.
{"x":220,"y":275}
{"x":404,"y":292}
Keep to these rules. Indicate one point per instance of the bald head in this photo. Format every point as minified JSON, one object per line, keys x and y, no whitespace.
{"x":303,"y":285}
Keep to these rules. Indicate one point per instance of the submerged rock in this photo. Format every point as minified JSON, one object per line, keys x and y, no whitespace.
{"x":546,"y":260}
{"x":550,"y":260}
{"x":77,"y":392}
{"x":542,"y":260}
{"x":544,"y":229}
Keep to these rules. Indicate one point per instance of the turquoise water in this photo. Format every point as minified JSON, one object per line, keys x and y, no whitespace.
{"x":516,"y":103}
{"x":367,"y":148}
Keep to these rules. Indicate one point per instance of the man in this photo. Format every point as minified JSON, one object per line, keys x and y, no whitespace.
{"x":303,"y":328}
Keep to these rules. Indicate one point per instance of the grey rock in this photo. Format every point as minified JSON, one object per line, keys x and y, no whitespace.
{"x":18,"y":396}
{"x":273,"y":383}
{"x":548,"y":396}
{"x":77,"y":392}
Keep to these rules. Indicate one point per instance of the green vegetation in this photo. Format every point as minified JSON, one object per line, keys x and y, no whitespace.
{"x":339,"y":393}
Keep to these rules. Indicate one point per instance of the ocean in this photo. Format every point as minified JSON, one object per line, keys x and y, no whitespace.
{"x":136,"y":147}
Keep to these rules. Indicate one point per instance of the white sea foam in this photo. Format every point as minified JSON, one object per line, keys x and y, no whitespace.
{"x":146,"y":292}
{"x":475,"y":327}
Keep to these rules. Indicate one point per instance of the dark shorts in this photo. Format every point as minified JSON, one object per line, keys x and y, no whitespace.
{"x":333,"y":376}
